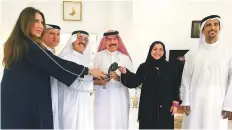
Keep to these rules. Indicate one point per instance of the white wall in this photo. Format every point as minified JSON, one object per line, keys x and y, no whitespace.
{"x":121,"y":19}
{"x":98,"y":16}
{"x":170,"y":21}
{"x":95,"y":15}
{"x":140,"y":22}
{"x":0,"y":19}
{"x":1,"y":37}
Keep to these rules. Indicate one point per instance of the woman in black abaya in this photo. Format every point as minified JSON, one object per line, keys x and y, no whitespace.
{"x":159,"y":97}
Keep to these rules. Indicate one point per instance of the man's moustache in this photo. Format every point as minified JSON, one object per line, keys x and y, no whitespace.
{"x":81,"y":43}
{"x":113,"y":45}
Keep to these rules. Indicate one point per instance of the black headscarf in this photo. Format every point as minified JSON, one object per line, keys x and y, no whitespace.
{"x":150,"y":61}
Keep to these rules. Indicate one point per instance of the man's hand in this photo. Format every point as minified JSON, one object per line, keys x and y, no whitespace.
{"x":101,"y":82}
{"x":187,"y":110}
{"x":97,"y":74}
{"x":226,"y":114}
{"x":122,"y":69}
{"x":114,"y":75}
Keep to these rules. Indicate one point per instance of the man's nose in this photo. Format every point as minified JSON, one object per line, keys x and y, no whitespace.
{"x":57,"y":36}
{"x":83,"y":40}
{"x":213,"y":27}
{"x":111,"y":41}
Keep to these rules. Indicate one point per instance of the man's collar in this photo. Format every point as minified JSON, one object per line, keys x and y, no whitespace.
{"x":112,"y":53}
{"x":50,"y":49}
{"x":76,"y":53}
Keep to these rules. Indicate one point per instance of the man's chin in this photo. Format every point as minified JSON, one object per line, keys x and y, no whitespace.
{"x":112,"y":50}
{"x":212,"y":34}
{"x":55,"y":45}
{"x":212,"y":37}
{"x":80,"y":51}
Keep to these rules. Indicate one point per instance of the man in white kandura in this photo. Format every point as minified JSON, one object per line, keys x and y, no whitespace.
{"x":111,"y":97}
{"x":51,"y":39}
{"x":207,"y":80}
{"x":74,"y":101}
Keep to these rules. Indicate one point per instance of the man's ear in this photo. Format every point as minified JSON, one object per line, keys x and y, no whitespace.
{"x":73,"y":44}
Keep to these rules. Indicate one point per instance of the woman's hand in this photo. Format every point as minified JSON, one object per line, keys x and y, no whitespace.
{"x":122,"y":69}
{"x":113,"y":75}
{"x":173,"y":110}
{"x":97,"y":74}
{"x":174,"y":107}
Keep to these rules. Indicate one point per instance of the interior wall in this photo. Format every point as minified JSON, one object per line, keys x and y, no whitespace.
{"x":1,"y":52}
{"x":94,"y":17}
{"x":170,"y":21}
{"x":140,"y":22}
{"x":97,"y":17}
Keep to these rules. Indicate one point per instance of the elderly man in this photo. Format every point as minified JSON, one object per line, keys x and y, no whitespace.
{"x":111,"y":98}
{"x":74,"y":101}
{"x":207,"y":80}
{"x":51,"y":37}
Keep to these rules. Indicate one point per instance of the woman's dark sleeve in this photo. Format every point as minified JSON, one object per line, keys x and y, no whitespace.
{"x":63,"y":70}
{"x":175,"y":84}
{"x":132,"y":80}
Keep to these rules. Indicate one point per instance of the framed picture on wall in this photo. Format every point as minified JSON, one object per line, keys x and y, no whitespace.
{"x":72,"y":11}
{"x":195,"y":30}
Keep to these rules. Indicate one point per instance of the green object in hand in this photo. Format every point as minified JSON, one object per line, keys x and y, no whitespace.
{"x":113,"y":67}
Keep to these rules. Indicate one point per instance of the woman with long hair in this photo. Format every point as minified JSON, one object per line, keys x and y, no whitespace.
{"x":25,"y":87}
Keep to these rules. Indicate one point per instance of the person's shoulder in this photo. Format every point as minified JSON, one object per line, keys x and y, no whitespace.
{"x":123,"y":55}
{"x":100,"y":52}
{"x":98,"y":55}
{"x":33,"y":47}
{"x":228,"y":47}
{"x":142,"y":65}
{"x":30,"y":43}
{"x":66,"y":56}
{"x":142,"y":68}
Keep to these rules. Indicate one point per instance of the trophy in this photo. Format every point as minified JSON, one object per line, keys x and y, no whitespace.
{"x":113,"y":67}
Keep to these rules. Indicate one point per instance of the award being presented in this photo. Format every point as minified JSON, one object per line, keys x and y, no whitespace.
{"x":113,"y":67}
